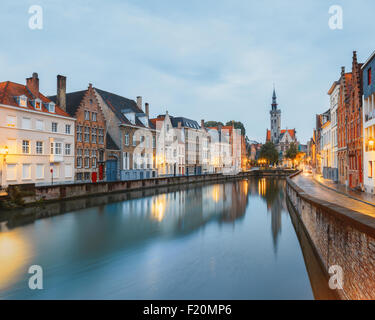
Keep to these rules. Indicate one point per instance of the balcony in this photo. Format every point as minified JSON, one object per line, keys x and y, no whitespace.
{"x":370,"y":115}
{"x":56,"y":158}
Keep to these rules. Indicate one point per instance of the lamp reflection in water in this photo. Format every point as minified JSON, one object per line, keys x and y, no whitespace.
{"x":262,"y":187}
{"x":216,"y":193}
{"x":13,"y":252}
{"x":158,"y":207}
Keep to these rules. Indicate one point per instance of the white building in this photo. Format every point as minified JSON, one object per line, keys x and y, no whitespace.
{"x":36,"y":136}
{"x":334,"y":93}
{"x":326,"y":145}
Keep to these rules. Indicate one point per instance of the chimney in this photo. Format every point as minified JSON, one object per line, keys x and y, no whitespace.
{"x":202,"y":123}
{"x":61,"y":92}
{"x":147,"y":109}
{"x":179,"y":125}
{"x":33,"y":85}
{"x":139,"y":102}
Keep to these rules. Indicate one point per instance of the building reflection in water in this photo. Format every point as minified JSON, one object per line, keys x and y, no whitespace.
{"x":272,"y":191}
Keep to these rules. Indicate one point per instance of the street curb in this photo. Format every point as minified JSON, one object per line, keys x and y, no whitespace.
{"x":344,"y":193}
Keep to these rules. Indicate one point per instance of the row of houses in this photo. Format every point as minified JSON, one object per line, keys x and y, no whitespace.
{"x":94,"y":135}
{"x":343,"y":144}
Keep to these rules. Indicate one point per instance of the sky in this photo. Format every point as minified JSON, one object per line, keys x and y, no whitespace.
{"x":211,"y":59}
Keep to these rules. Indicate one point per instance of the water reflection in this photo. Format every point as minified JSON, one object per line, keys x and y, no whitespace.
{"x":197,"y":241}
{"x":273,"y":192}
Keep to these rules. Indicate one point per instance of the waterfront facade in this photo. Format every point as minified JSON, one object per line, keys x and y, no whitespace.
{"x":90,"y":137}
{"x":132,"y":131}
{"x":36,"y":136}
{"x":334,"y":93}
{"x":354,"y":127}
{"x":369,"y":124}
{"x":325,"y":144}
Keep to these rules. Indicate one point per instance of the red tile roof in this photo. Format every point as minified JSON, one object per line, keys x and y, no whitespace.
{"x":9,"y":90}
{"x":292,"y":132}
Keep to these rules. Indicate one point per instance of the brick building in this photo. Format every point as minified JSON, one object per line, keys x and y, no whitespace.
{"x":342,"y":122}
{"x":354,"y":127}
{"x":90,"y":137}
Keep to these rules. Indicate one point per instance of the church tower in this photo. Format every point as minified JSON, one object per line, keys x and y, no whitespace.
{"x":275,"y":119}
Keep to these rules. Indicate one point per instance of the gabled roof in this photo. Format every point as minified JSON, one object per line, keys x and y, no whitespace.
{"x":73,"y":101}
{"x":185,"y":122}
{"x":292,"y":132}
{"x":118,"y":104}
{"x":9,"y":90}
{"x":110,"y":144}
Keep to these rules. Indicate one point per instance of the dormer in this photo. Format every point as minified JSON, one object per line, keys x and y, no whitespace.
{"x":22,"y":101}
{"x":37,"y":104}
{"x":129,"y":114}
{"x":143,"y":118}
{"x":50,"y":107}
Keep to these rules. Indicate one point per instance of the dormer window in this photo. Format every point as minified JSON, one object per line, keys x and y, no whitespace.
{"x":37,"y":104}
{"x":22,"y":101}
{"x":51,"y":107}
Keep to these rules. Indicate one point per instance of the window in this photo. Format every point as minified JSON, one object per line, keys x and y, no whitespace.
{"x":40,"y":171}
{"x":11,"y":172}
{"x":370,"y":169}
{"x":11,"y":121}
{"x":369,"y":76}
{"x":39,"y":147}
{"x":68,"y":171}
{"x":101,"y":136}
{"x":39,"y":125}
{"x":134,"y":140}
{"x":154,"y":142}
{"x":94,"y":116}
{"x":37,"y":104}
{"x":54,"y":126}
{"x":67,"y":128}
{"x":87,"y":134}
{"x":22,"y":101}
{"x":26,"y":123}
{"x":94,"y":162}
{"x":58,"y":148}
{"x":67,"y":149}
{"x":87,"y":115}
{"x":93,"y":135}
{"x":87,"y":158}
{"x":79,"y":158}
{"x":51,"y":107}
{"x":101,"y":155}
{"x":25,"y":146}
{"x":26,"y":171}
{"x":79,"y":133}
{"x":126,"y":139}
{"x":56,"y":171}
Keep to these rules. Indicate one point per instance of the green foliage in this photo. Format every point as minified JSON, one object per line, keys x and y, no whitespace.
{"x":292,"y":152}
{"x":237,"y":125}
{"x":16,"y":196}
{"x":213,"y":124}
{"x":268,"y":151}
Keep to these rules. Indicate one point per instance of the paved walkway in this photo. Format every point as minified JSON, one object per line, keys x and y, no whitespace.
{"x":308,"y":184}
{"x":362,"y":196}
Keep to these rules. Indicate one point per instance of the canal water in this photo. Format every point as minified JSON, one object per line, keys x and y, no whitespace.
{"x":232,"y":240}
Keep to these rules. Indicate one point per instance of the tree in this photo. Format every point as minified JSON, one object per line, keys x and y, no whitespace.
{"x":213,"y":124}
{"x":237,"y":125}
{"x":292,"y":151}
{"x":268,"y":151}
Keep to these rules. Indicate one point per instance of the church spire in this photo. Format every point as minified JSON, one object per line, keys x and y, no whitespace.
{"x":274,"y":102}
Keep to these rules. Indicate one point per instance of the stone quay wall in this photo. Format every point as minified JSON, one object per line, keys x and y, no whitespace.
{"x":340,"y":237}
{"x":34,"y":194}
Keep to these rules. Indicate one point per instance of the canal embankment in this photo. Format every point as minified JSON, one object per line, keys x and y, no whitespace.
{"x":30,"y":194}
{"x":341,"y":231}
